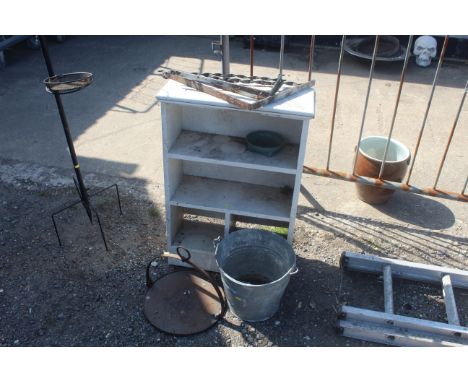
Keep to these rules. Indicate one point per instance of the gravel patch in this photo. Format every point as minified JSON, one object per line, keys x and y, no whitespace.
{"x":81,"y":295}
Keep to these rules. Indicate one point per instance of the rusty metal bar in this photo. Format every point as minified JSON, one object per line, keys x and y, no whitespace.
{"x":451,"y":135}
{"x":279,"y":82}
{"x":311,"y":56}
{"x":251,"y":55}
{"x":246,"y":103}
{"x":212,"y":90}
{"x":338,"y":77}
{"x":282,"y":94}
{"x":429,"y":102}
{"x":371,"y":74}
{"x":384,"y":184}
{"x":229,"y":86}
{"x":464,"y":187}
{"x":397,"y":103}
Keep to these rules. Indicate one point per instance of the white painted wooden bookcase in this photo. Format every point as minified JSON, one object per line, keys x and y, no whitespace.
{"x":202,"y":179}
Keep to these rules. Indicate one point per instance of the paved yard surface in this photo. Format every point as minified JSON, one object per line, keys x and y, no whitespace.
{"x":81,"y":295}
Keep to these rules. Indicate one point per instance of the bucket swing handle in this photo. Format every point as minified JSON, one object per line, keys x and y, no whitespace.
{"x":185,"y":256}
{"x":294,"y":271}
{"x":216,"y":241}
{"x":149,"y":280}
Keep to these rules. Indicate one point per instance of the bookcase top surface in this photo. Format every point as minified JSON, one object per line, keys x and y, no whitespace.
{"x":300,"y":105}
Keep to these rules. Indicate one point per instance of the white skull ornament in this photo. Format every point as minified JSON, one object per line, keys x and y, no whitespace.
{"x":425,"y":49}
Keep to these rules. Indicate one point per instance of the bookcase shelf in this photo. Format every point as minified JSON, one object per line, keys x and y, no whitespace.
{"x":209,"y":172}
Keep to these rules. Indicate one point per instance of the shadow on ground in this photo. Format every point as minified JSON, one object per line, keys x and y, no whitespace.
{"x":402,"y":240}
{"x":417,"y":210}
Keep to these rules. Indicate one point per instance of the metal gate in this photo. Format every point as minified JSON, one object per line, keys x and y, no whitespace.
{"x":405,"y":185}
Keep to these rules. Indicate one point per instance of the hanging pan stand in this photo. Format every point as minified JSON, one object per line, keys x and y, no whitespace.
{"x":65,"y":84}
{"x":184,"y":302}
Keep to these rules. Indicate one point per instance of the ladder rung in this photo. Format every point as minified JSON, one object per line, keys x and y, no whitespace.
{"x":390,"y":328}
{"x":449,"y":299}
{"x":388,"y":289}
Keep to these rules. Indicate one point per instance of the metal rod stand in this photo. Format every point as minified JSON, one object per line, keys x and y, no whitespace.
{"x":84,"y":196}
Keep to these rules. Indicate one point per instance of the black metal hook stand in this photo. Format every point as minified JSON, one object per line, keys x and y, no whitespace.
{"x":64,"y":84}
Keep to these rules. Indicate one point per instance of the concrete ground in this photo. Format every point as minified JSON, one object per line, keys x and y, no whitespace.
{"x":116,"y":127}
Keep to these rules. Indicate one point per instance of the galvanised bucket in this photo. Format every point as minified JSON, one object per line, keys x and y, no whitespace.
{"x":255,"y":267}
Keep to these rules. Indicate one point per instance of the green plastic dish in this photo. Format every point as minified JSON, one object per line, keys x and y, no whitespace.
{"x":265,"y":142}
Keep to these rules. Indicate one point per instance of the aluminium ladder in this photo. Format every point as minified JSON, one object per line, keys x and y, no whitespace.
{"x":394,"y":329}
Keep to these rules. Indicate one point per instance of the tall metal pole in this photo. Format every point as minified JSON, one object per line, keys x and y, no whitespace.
{"x":83,"y":192}
{"x":397,"y":103}
{"x":281,"y":57}
{"x":225,"y":54}
{"x":338,"y":77}
{"x":311,"y":56}
{"x":371,"y":74}
{"x":429,"y":102}
{"x":251,"y":55}
{"x":451,"y":136}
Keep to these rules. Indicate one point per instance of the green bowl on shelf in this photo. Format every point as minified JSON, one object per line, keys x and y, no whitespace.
{"x":265,"y":142}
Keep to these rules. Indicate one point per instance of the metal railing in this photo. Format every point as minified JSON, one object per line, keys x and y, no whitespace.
{"x":379,"y":182}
